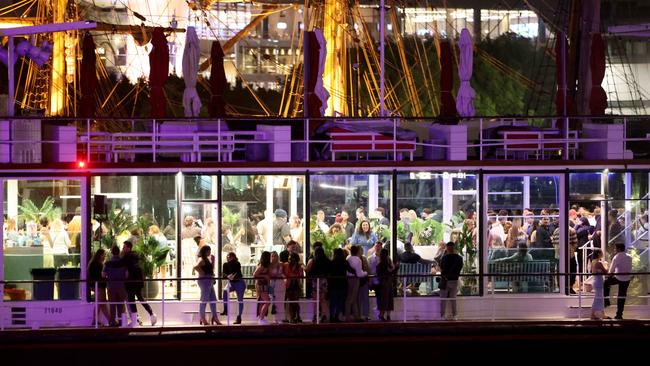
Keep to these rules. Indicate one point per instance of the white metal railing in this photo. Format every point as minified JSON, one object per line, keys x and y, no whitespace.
{"x":408,"y":303}
{"x":490,"y":137}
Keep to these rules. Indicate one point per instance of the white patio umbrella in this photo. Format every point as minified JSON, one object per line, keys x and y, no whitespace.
{"x":191,"y":54}
{"x":466,"y":95}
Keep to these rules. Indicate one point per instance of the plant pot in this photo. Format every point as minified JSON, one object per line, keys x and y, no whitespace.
{"x":151,"y":289}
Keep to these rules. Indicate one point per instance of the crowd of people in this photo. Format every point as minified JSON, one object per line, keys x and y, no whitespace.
{"x":117,"y":281}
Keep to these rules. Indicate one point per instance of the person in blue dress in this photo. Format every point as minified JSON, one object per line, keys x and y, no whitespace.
{"x":364,"y":237}
{"x":598,"y":270}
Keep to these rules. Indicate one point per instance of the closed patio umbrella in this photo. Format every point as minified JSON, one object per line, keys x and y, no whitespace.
{"x":88,"y":77}
{"x":191,"y":54}
{"x":448,"y":106}
{"x":158,"y":74}
{"x":316,"y":95}
{"x":598,"y":99}
{"x":563,"y":96}
{"x":217,"y":81}
{"x":466,"y":95}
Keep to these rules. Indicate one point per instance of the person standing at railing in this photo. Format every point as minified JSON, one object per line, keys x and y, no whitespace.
{"x":450,"y":266}
{"x":293,"y":270}
{"x":232,"y":271}
{"x":384,"y":291}
{"x":622,"y":263}
{"x":115,"y":271}
{"x":318,"y":268}
{"x":262,"y":277}
{"x":337,"y":285}
{"x":205,"y":268}
{"x":598,"y":269}
{"x":135,"y":284}
{"x":355,"y":273}
{"x":277,"y":288}
{"x":97,"y":284}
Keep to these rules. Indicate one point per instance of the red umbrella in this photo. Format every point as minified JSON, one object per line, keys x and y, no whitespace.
{"x":217,"y":82}
{"x":158,"y":74}
{"x":88,"y":77}
{"x":448,"y":105}
{"x":598,"y":99}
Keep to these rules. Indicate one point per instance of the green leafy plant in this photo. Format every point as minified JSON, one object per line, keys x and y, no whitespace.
{"x":426,"y":232}
{"x":116,"y":221}
{"x":31,"y":212}
{"x":230,"y":218}
{"x":330,"y":242}
{"x":152,"y":254}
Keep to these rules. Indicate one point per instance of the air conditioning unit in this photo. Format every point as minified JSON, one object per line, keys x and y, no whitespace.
{"x":26,"y":137}
{"x":5,"y":145}
{"x":60,"y":144}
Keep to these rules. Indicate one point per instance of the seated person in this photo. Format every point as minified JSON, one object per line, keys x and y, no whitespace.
{"x":522,"y":255}
{"x":498,"y":250}
{"x":409,"y":256}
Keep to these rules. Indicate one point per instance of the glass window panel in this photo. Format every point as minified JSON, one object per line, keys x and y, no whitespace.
{"x":142,"y":207}
{"x":505,"y":193}
{"x":521,"y":240}
{"x":261,"y":213}
{"x":346,"y":200}
{"x":42,"y":237}
{"x":199,"y":187}
{"x":616,"y":186}
{"x":436,"y":208}
{"x":585,"y":184}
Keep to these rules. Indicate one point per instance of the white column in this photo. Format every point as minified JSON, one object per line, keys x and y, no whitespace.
{"x":373,"y":193}
{"x":293,"y":205}
{"x":134,"y":198}
{"x":447,"y":200}
{"x":526,"y":193}
{"x":12,"y":197}
{"x":268,"y":213}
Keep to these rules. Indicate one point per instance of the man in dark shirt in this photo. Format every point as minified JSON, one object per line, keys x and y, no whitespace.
{"x":281,"y":231}
{"x":409,"y":256}
{"x":135,"y":284}
{"x":232,"y":271}
{"x":292,"y":247}
{"x":450,"y":266}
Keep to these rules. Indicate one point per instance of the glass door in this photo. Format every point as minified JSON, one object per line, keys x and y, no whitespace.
{"x":199,"y":226}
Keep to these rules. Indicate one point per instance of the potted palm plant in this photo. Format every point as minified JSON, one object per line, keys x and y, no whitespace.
{"x":152,"y":255}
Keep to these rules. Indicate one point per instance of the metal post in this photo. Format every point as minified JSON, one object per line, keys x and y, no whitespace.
{"x":155,"y":140}
{"x":10,"y":68}
{"x":162,"y":305}
{"x":219,"y":139}
{"x":394,"y":139}
{"x":88,"y":141}
{"x":404,"y":299}
{"x":382,"y":36}
{"x":97,"y":306}
{"x":317,"y":315}
{"x":306,"y":135}
{"x":480,"y":139}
